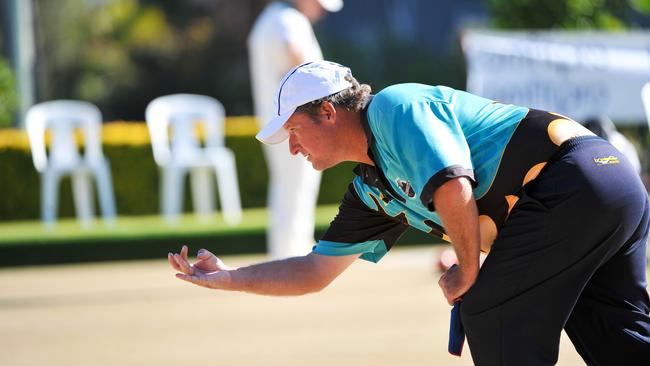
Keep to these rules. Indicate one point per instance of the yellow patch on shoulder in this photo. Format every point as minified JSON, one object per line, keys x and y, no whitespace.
{"x":562,"y":129}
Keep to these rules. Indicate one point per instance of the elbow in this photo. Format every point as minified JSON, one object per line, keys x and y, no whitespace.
{"x":316,"y":273}
{"x":312,"y":282}
{"x":314,"y":285}
{"x":322,"y":284}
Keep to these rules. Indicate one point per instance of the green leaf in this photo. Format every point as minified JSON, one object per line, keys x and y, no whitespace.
{"x":642,"y":6}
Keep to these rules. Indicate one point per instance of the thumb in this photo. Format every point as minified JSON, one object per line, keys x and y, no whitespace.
{"x":204,"y":254}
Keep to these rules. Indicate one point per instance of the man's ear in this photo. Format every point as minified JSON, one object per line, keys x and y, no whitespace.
{"x":327,"y":110}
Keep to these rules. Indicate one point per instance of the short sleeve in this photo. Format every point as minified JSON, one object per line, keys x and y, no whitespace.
{"x":357,"y":229}
{"x":427,"y":142}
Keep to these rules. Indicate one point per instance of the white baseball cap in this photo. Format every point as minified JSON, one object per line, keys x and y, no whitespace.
{"x":303,"y":84}
{"x":331,"y":5}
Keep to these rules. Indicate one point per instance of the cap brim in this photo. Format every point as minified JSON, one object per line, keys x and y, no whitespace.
{"x":331,"y":5}
{"x":272,"y":132}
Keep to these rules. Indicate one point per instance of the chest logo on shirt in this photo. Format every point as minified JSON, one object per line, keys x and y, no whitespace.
{"x":405,"y":186}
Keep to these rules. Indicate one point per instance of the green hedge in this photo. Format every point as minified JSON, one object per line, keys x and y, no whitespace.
{"x":135,"y":180}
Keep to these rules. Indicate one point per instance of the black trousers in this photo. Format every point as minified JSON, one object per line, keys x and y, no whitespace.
{"x":571,"y":255}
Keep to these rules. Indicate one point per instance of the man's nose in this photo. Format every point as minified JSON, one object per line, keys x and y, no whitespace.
{"x":293,"y":145}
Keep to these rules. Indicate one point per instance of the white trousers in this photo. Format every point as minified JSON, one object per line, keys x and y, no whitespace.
{"x":293,"y":191}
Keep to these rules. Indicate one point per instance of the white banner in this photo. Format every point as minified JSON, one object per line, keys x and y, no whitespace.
{"x":579,"y":74}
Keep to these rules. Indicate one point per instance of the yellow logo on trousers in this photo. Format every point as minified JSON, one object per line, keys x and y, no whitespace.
{"x":609,"y":160}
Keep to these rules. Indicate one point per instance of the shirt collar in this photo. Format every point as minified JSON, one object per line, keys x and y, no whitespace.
{"x":370,"y":174}
{"x":366,"y":128}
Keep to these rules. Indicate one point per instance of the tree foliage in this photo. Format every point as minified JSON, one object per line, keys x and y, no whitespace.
{"x":8,"y":96}
{"x":567,"y":14}
{"x":120,"y":54}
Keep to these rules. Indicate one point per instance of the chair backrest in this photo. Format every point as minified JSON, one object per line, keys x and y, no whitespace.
{"x":179,"y":115}
{"x":62,"y":118}
{"x":645,"y":95}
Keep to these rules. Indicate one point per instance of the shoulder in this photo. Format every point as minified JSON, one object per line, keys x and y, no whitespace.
{"x":281,"y":24}
{"x":289,"y":17}
{"x":280,"y":16}
{"x":403,"y":95}
{"x":400,"y":104}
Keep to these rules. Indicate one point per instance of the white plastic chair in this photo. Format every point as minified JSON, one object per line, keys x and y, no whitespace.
{"x":62,"y":118}
{"x":172,"y":122}
{"x":645,"y":95}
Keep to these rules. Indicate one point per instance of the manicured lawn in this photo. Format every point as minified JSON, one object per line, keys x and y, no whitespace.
{"x":135,"y":237}
{"x":141,"y":227}
{"x":143,"y":237}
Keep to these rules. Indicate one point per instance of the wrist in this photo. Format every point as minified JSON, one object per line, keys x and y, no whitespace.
{"x":226,"y":280}
{"x":469,"y":271}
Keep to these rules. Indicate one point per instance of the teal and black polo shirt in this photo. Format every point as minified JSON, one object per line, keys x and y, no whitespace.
{"x":421,"y":136}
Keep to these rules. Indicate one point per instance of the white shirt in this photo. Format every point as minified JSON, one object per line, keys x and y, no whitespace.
{"x":277,"y":26}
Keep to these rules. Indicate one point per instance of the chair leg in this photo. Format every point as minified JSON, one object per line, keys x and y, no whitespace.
{"x":49,"y":197}
{"x":172,"y":193}
{"x":82,"y":191}
{"x":202,"y":192}
{"x":226,"y":171}
{"x":105,"y":192}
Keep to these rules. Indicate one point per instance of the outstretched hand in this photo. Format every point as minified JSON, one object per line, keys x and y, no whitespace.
{"x":207,"y":271}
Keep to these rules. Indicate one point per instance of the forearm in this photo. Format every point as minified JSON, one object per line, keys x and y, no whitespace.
{"x":287,"y":277}
{"x":455,"y":204}
{"x":291,"y":276}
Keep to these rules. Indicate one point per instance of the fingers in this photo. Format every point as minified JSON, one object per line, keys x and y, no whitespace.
{"x":172,"y":262}
{"x":207,"y":256}
{"x":179,"y":261}
{"x":183,"y":264}
{"x":446,"y":291}
{"x":450,"y":298}
{"x":204,"y":254}
{"x":206,"y":261}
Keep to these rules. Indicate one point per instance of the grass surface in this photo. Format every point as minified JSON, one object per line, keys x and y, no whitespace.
{"x":144,"y":237}
{"x":134,"y":227}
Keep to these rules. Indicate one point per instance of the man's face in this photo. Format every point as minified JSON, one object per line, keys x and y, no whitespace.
{"x":311,"y":9}
{"x":314,"y":138}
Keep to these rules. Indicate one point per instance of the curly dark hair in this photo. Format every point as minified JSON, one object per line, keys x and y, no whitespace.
{"x":352,"y":99}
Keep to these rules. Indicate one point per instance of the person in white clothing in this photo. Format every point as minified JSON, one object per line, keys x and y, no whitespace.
{"x":282,"y":38}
